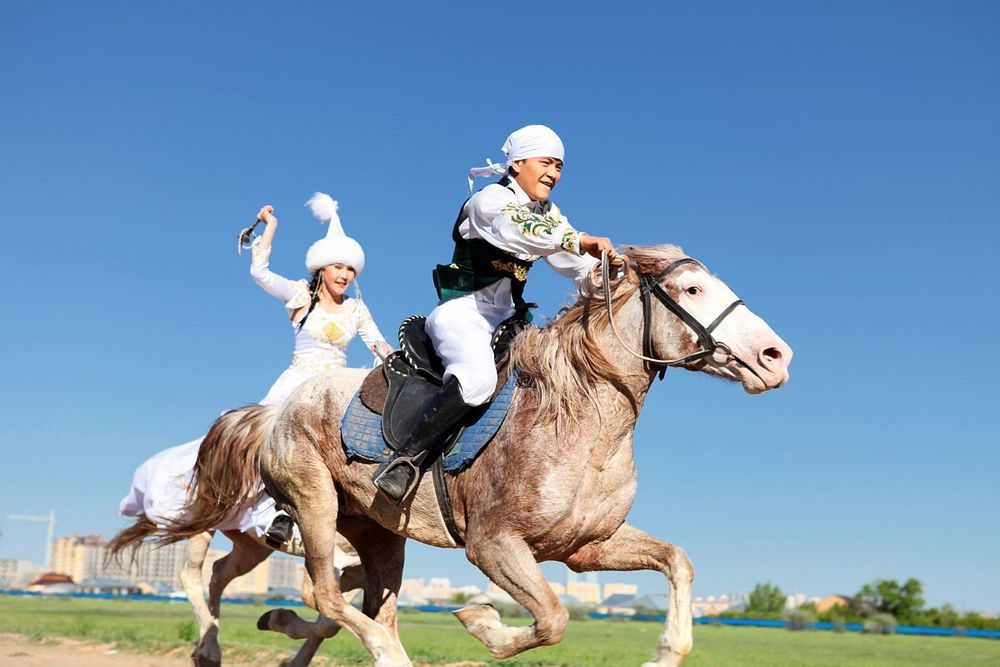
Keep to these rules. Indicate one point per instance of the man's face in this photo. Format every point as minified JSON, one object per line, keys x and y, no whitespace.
{"x":538,"y":175}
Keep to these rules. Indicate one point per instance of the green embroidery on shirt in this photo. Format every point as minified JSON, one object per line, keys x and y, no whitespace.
{"x":531,"y":224}
{"x":570,"y":240}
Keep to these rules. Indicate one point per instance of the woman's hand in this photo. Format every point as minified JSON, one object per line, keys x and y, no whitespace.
{"x":595,"y":245}
{"x":266,"y":213}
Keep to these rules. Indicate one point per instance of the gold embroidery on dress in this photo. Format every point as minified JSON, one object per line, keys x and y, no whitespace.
{"x":520,"y":272}
{"x":332,"y":332}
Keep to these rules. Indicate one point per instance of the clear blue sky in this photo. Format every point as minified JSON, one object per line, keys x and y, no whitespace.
{"x":837,"y":164}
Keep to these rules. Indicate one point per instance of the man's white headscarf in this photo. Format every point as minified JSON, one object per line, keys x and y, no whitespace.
{"x":529,"y":141}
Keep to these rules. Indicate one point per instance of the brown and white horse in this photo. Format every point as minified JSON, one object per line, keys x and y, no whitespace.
{"x":558,"y":479}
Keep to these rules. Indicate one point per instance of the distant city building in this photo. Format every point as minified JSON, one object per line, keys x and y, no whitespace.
{"x":69,"y":555}
{"x":557,"y":588}
{"x":285,"y":573}
{"x":18,"y":573}
{"x":109,"y":587}
{"x":617,"y":604}
{"x":412,"y":587}
{"x":586,"y":592}
{"x":438,"y":588}
{"x":616,"y":588}
{"x":85,"y":557}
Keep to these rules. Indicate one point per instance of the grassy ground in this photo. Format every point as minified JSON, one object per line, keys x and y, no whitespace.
{"x":159,"y":627}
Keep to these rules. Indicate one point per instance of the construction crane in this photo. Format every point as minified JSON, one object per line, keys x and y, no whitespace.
{"x":51,"y":520}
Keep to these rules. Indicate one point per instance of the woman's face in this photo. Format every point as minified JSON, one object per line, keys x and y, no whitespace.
{"x":337,"y":278}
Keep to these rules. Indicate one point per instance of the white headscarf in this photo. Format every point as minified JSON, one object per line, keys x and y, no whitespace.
{"x":529,"y":141}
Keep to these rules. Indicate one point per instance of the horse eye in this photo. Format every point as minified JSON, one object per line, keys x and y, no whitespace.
{"x":693,"y":290}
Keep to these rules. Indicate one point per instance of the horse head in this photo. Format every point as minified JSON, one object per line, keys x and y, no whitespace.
{"x":693,"y":320}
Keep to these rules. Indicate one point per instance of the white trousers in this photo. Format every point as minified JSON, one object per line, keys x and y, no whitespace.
{"x":461,"y":330}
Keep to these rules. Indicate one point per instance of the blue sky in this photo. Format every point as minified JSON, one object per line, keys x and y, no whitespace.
{"x":837,"y":164}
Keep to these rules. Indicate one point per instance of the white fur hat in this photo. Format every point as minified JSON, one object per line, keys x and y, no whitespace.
{"x":337,"y":247}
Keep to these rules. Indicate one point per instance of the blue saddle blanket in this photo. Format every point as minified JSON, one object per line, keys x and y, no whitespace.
{"x":361,"y":432}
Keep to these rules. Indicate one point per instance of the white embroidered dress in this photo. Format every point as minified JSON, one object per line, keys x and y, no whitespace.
{"x":160,"y":484}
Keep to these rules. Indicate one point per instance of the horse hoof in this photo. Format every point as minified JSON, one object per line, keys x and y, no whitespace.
{"x":205,"y":661}
{"x":275,"y":620}
{"x":482,"y":615}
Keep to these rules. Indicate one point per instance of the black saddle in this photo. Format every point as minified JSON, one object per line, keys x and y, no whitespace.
{"x":415,"y":372}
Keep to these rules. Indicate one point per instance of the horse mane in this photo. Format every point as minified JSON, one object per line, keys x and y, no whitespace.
{"x":564,"y":360}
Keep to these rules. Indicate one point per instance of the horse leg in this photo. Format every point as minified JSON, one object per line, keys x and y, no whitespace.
{"x":381,"y":552}
{"x":287,"y":622}
{"x":629,"y":548}
{"x":312,"y":502}
{"x":509,"y":563}
{"x":245,"y":556}
{"x":207,"y":652}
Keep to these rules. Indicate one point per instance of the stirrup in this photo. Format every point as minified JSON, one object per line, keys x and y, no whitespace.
{"x":390,"y":485}
{"x":280,"y":531}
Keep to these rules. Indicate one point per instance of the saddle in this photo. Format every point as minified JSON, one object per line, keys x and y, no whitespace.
{"x":410,"y":376}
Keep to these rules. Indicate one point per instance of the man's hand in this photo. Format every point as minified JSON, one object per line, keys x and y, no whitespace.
{"x":595,"y":245}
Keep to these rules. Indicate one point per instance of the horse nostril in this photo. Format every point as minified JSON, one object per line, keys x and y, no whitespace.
{"x":770,"y":355}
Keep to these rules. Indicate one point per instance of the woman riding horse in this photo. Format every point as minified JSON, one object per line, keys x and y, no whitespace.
{"x":324,"y":319}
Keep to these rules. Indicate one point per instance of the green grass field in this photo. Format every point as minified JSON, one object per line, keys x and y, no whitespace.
{"x":159,"y":627}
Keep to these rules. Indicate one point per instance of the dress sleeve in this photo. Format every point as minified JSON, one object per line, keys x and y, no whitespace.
{"x":577,"y":268}
{"x":497,"y":216}
{"x":367,"y":328}
{"x":272,"y":283}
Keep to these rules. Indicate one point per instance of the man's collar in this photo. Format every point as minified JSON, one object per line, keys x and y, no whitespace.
{"x":524,"y":199}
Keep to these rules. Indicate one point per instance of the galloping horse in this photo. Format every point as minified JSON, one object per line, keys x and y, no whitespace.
{"x":558,"y":479}
{"x":248,"y":552}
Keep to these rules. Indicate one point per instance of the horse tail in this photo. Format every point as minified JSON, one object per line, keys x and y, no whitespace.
{"x":130,"y":537}
{"x":226,"y":475}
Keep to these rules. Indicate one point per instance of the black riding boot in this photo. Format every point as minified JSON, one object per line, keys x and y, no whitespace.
{"x":280,"y":530}
{"x":398,"y":477}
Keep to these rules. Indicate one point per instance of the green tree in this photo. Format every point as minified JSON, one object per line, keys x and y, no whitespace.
{"x":766,"y":599}
{"x":889,"y":597}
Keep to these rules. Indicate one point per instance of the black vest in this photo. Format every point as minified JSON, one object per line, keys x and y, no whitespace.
{"x":476,"y":264}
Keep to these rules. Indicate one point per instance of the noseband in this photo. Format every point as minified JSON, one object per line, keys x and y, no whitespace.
{"x":649,"y":286}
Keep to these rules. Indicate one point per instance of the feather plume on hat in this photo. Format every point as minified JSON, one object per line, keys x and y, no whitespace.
{"x":336,"y":246}
{"x":324,"y":208}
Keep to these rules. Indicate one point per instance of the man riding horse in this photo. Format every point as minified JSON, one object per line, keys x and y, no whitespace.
{"x":500,"y":232}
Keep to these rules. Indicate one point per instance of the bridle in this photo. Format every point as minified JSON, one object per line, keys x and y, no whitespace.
{"x":649,"y":286}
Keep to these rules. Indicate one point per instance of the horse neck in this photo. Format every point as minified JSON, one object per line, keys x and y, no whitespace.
{"x":635,"y":376}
